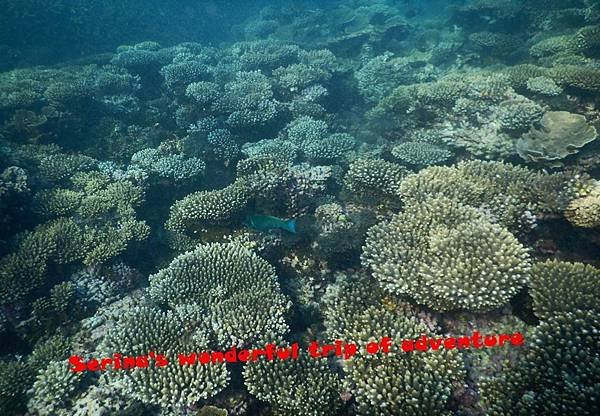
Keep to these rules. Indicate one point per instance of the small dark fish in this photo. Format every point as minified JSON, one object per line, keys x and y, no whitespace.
{"x":267,"y":222}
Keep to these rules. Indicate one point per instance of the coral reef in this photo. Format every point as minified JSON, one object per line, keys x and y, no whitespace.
{"x":510,"y":195}
{"x":561,"y":287}
{"x":303,"y":387}
{"x":557,"y":373}
{"x":144,"y":329}
{"x":561,"y":134}
{"x":237,"y":291}
{"x":447,"y":256}
{"x":438,"y":161}
{"x":207,"y":208}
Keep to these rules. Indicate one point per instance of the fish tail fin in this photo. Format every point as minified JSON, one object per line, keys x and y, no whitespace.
{"x":291,"y":225}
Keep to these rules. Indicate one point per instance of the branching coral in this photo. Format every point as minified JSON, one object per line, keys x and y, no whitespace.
{"x":375,"y":177}
{"x":558,"y":287}
{"x":306,"y":386}
{"x":329,"y":149}
{"x":560,"y":373}
{"x":266,"y":54}
{"x":447,"y":256}
{"x":494,"y":43}
{"x":382,"y":74}
{"x":544,"y":86}
{"x":306,"y":129}
{"x":25,"y":269}
{"x":205,"y":208}
{"x":511,"y":195}
{"x":167,"y":166}
{"x":183,"y":72}
{"x":421,"y":154}
{"x":277,"y":149}
{"x":394,"y":384}
{"x":237,"y":291}
{"x":342,"y":229}
{"x":143,"y":329}
{"x":53,"y":389}
{"x":579,"y":77}
{"x":15,"y":378}
{"x":101,"y":225}
{"x":585,"y":211}
{"x":249,"y":101}
{"x":203,"y":93}
{"x":296,"y":77}
{"x":391,"y":383}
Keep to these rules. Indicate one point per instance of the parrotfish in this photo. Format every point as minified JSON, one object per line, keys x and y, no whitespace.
{"x":267,"y":222}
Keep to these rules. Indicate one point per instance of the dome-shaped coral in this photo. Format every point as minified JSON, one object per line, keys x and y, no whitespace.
{"x":447,"y":256}
{"x":584,"y":212}
{"x":238,"y":291}
{"x":558,"y":287}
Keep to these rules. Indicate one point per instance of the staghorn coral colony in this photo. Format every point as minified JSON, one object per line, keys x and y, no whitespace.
{"x":442,"y":163}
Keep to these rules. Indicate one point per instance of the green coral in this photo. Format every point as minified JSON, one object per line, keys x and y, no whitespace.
{"x":424,"y":99}
{"x":375,"y":177}
{"x":299,"y":76}
{"x":222,"y":146}
{"x":518,"y":115}
{"x":57,"y":202}
{"x":559,"y":375}
{"x":25,"y":269}
{"x":421,"y":154}
{"x":329,"y":149}
{"x":587,"y":40}
{"x":167,"y":166}
{"x":304,"y":386}
{"x":580,"y":77}
{"x":55,"y":348}
{"x":493,"y":43}
{"x":558,"y":287}
{"x":510,"y":194}
{"x":105,"y":220}
{"x":274,"y":148}
{"x":61,"y":166}
{"x":393,"y":384}
{"x":203,"y":93}
{"x":544,"y":86}
{"x":356,"y":310}
{"x":142,"y":329}
{"x":54,"y":389}
{"x":378,"y":77}
{"x":447,"y":256}
{"x":102,"y":225}
{"x":238,"y":291}
{"x":563,"y":44}
{"x":584,"y":212}
{"x":519,"y":75}
{"x":345,"y":300}
{"x":15,"y":378}
{"x":205,"y":208}
{"x":341,"y":229}
{"x":306,"y":129}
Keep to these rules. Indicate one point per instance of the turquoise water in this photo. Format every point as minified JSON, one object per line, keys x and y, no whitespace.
{"x":438,"y":162}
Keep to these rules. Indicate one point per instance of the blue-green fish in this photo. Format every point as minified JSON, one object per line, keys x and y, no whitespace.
{"x":267,"y":222}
